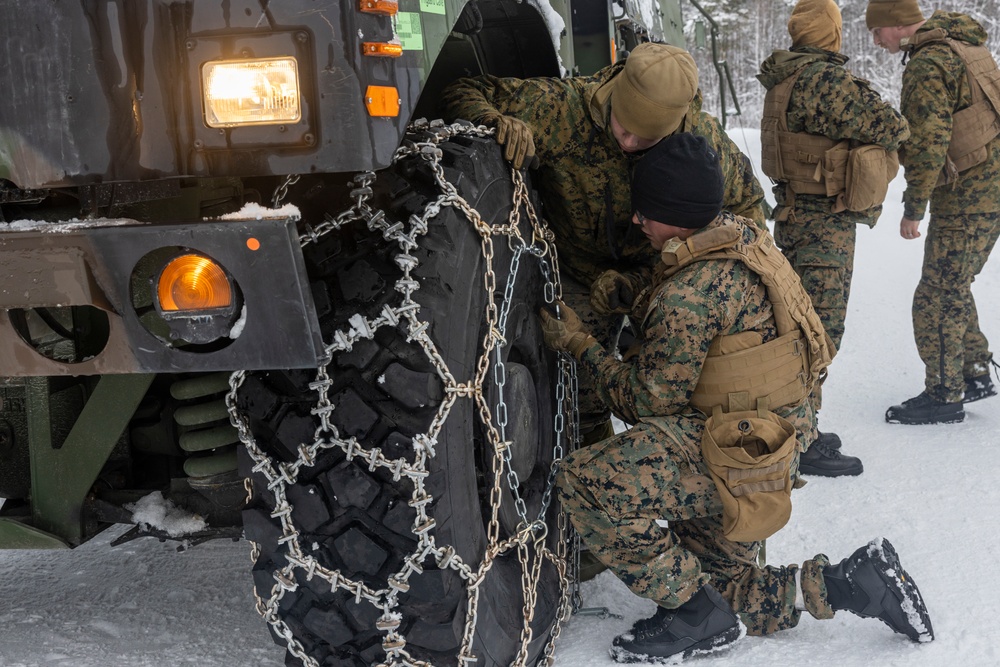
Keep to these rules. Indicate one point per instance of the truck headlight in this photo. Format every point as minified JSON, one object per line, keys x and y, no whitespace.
{"x":251,"y":92}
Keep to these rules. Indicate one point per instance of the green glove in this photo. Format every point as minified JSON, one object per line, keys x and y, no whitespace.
{"x":565,"y":333}
{"x":612,"y":292}
{"x":515,"y":136}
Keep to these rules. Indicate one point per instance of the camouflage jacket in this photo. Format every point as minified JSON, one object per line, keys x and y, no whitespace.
{"x":583,"y":176}
{"x":829,"y":101}
{"x":935,"y":86}
{"x":686,"y":312}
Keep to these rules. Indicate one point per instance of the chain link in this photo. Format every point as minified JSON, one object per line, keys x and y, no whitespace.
{"x":281,"y":191}
{"x":528,"y":541}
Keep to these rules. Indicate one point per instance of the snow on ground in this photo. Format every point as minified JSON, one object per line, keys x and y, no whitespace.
{"x":929,"y":489}
{"x":138,"y":605}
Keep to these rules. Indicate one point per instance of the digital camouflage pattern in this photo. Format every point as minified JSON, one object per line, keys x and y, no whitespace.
{"x":935,"y":86}
{"x":827,"y":100}
{"x":616,"y":490}
{"x":679,"y":320}
{"x":945,"y":321}
{"x":820,"y":247}
{"x":583,"y":176}
{"x":584,"y":179}
{"x":965,"y":215}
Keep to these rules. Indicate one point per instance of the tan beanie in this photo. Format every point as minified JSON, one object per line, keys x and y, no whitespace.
{"x":651,"y":95}
{"x":816,"y":23}
{"x":892,"y":13}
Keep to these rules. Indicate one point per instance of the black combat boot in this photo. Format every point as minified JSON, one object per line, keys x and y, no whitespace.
{"x":831,"y":440}
{"x":925,"y":409}
{"x":871,"y":583}
{"x":821,"y":460}
{"x":978,"y":388}
{"x":704,"y":624}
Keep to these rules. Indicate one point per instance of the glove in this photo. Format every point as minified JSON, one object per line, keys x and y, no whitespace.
{"x":565,"y":333}
{"x":515,"y":136}
{"x":611,"y":293}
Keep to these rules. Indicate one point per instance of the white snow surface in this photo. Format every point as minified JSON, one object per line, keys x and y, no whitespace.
{"x":930,"y":490}
{"x":155,"y":511}
{"x":64,"y":226}
{"x":253,"y":211}
{"x":250,"y":211}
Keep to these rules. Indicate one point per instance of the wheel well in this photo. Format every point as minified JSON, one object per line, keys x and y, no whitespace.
{"x":506,"y":39}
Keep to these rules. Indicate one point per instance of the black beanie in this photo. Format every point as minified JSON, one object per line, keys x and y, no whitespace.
{"x":679,"y":182}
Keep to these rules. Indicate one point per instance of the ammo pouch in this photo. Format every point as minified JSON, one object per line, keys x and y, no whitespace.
{"x":749,"y":456}
{"x":870,"y":169}
{"x":858,"y":177}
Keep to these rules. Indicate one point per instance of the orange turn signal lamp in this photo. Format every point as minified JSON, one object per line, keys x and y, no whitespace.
{"x":382,"y":101}
{"x":193,"y":282}
{"x":384,"y":49}
{"x":381,"y":7}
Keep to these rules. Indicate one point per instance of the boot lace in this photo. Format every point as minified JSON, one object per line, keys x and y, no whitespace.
{"x":654,"y":625}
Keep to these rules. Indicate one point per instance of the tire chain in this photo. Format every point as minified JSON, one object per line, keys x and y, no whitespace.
{"x":529,"y":538}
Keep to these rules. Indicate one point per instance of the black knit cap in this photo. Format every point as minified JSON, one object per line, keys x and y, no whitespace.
{"x":679,"y":182}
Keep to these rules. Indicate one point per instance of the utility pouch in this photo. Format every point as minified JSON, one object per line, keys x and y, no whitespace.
{"x":749,"y":456}
{"x":834,"y":168}
{"x":870,"y":169}
{"x":977,"y":125}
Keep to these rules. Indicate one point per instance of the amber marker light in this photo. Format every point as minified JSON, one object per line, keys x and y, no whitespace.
{"x":381,"y":7}
{"x":193,"y":282}
{"x":383,"y":49}
{"x":382,"y":101}
{"x":253,"y":244}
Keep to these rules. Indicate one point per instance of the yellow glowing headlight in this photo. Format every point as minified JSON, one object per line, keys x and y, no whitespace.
{"x":251,"y":92}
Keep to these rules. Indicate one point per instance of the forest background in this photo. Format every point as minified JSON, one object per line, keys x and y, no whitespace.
{"x":749,"y":30}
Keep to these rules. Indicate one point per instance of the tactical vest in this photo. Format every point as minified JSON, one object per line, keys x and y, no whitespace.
{"x":816,"y":165}
{"x":742,"y":372}
{"x":975,"y":126}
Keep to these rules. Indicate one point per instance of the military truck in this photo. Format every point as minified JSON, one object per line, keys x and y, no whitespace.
{"x":240,"y":275}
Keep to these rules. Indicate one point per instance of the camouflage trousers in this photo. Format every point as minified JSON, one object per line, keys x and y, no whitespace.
{"x":606,"y":329}
{"x":945,"y":320}
{"x":618,"y":492}
{"x":820,"y":247}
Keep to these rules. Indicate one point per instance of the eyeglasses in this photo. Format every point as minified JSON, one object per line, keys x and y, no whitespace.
{"x":640,"y":217}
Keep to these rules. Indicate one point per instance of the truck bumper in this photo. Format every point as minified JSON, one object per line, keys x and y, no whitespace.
{"x":105,"y":263}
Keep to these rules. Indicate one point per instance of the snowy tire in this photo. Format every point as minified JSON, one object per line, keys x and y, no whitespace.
{"x":353,"y":517}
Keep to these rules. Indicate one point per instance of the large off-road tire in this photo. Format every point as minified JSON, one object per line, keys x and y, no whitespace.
{"x":385,"y":390}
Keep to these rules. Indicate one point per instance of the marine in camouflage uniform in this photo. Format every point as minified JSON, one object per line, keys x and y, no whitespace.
{"x":825,"y":100}
{"x":583,"y":178}
{"x":964,"y":213}
{"x":617,"y":491}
